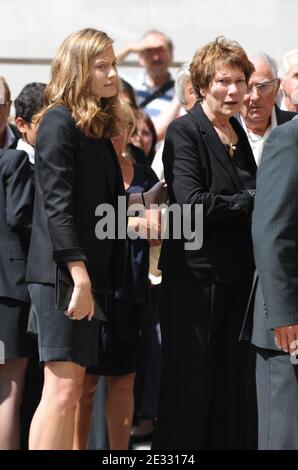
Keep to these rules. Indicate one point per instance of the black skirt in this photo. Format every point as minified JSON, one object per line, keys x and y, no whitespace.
{"x":13,"y":325}
{"x":60,"y":338}
{"x":119,"y":338}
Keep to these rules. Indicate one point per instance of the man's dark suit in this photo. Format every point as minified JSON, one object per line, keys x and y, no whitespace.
{"x":16,"y":134}
{"x":283,"y":116}
{"x":69,"y":184}
{"x":204,"y":292}
{"x":16,"y":196}
{"x":256,"y":306}
{"x":275,"y":238}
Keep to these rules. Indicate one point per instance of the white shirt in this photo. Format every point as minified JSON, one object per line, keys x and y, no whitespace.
{"x":22,"y":145}
{"x":257,"y":141}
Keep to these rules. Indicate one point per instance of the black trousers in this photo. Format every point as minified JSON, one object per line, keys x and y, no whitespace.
{"x":207,"y":378}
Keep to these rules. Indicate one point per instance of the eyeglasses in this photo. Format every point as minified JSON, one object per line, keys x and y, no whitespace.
{"x":262,"y":88}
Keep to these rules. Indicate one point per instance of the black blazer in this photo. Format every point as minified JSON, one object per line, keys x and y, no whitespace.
{"x":283,"y":116}
{"x":198,"y":170}
{"x":73,"y":175}
{"x":16,"y":134}
{"x":16,"y":198}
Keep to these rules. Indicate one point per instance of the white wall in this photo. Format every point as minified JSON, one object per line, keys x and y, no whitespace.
{"x":35,"y":28}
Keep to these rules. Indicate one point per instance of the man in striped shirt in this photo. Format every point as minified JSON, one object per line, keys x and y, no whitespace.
{"x":154,"y":86}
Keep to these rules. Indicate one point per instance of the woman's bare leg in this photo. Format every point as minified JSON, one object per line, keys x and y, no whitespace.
{"x":52,"y":427}
{"x":12,"y":378}
{"x":83,"y":413}
{"x":119,"y":410}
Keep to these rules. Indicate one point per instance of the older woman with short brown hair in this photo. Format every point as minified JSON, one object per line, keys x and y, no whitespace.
{"x":204,"y":293}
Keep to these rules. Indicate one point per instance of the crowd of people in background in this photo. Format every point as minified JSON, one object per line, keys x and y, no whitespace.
{"x":196,"y":346}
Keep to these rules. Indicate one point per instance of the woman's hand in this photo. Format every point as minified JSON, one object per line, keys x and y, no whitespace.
{"x":153,"y":218}
{"x":81,"y":303}
{"x":158,"y":194}
{"x":148,"y":227}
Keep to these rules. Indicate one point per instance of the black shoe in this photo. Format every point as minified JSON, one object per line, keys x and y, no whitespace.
{"x":143,"y":431}
{"x":141,"y":438}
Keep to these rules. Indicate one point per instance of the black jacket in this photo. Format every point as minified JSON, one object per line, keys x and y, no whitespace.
{"x":283,"y":116}
{"x":16,"y":198}
{"x":73,"y":175}
{"x":16,"y":134}
{"x":198,"y":170}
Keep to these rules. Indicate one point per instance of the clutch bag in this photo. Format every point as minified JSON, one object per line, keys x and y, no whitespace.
{"x":64,"y":288}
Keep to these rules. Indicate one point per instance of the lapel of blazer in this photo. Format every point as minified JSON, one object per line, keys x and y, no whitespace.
{"x":214,"y":143}
{"x":237,"y":125}
{"x":102,"y":157}
{"x":119,"y":184}
{"x":283,"y":116}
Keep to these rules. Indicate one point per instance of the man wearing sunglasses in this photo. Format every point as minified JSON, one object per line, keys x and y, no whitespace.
{"x":260,"y":114}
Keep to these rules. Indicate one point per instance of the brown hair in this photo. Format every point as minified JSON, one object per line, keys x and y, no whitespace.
{"x":127,"y":93}
{"x":141,"y":114}
{"x":218,"y":53}
{"x":70,"y":84}
{"x":4,"y":86}
{"x":128,"y":119}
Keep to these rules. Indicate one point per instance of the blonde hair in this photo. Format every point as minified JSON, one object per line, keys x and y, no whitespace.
{"x":128,"y":124}
{"x":216,"y":54}
{"x":70,"y":84}
{"x":128,"y":119}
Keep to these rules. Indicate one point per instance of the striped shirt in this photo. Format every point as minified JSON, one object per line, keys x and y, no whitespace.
{"x":143,"y":90}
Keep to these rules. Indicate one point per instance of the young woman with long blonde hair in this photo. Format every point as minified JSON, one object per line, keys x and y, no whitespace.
{"x":76,"y":170}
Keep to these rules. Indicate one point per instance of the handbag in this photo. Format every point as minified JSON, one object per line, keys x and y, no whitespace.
{"x":63,"y":292}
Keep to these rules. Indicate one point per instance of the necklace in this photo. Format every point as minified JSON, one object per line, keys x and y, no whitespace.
{"x":222,"y":132}
{"x":123,"y":160}
{"x":232,"y":147}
